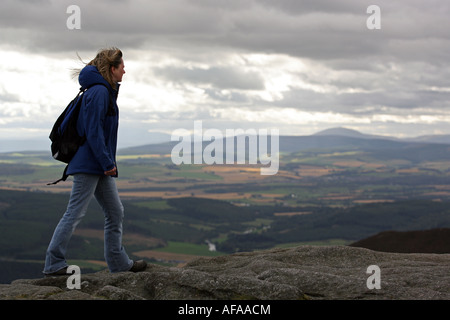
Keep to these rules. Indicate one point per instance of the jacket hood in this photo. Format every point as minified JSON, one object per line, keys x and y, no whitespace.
{"x":90,"y":75}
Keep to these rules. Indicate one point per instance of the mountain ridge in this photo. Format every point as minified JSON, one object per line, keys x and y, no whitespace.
{"x":163,"y":140}
{"x":414,"y":151}
{"x":346,"y":132}
{"x":413,"y":241}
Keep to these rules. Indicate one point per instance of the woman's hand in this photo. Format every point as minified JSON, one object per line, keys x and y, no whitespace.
{"x":111,"y":172}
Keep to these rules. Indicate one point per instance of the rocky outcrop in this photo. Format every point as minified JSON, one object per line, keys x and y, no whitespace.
{"x":417,"y":241}
{"x":305,"y":272}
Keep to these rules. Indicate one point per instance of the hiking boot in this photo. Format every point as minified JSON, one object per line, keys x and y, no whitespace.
{"x":60,"y":272}
{"x":138,"y":266}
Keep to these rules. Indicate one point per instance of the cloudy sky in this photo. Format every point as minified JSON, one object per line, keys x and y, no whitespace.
{"x":297,"y":66}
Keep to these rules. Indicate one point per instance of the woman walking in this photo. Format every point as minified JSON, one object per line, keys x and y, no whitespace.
{"x":94,"y":167}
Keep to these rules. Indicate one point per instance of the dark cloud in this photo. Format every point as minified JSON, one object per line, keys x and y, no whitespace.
{"x":311,"y":29}
{"x":349,"y":69}
{"x":217,"y":77}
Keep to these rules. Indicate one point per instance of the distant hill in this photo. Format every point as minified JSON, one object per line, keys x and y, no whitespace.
{"x":335,"y":140}
{"x":420,"y":241}
{"x":444,"y":139}
{"x":345,"y":132}
{"x":160,"y":143}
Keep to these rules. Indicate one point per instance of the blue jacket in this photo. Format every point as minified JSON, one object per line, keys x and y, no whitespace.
{"x":98,"y":153}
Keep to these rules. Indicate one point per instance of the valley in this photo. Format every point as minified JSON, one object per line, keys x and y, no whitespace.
{"x":328,"y":190}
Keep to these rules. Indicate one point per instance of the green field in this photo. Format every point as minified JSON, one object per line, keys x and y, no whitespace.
{"x":189,"y":248}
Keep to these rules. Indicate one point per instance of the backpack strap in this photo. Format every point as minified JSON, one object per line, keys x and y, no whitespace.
{"x":63,"y":178}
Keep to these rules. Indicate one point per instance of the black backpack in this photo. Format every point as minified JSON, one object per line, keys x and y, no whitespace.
{"x":64,"y":137}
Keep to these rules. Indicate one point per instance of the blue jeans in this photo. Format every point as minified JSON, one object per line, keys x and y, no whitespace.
{"x":104,"y":189}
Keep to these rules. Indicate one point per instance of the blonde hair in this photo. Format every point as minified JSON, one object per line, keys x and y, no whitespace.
{"x":104,"y":60}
